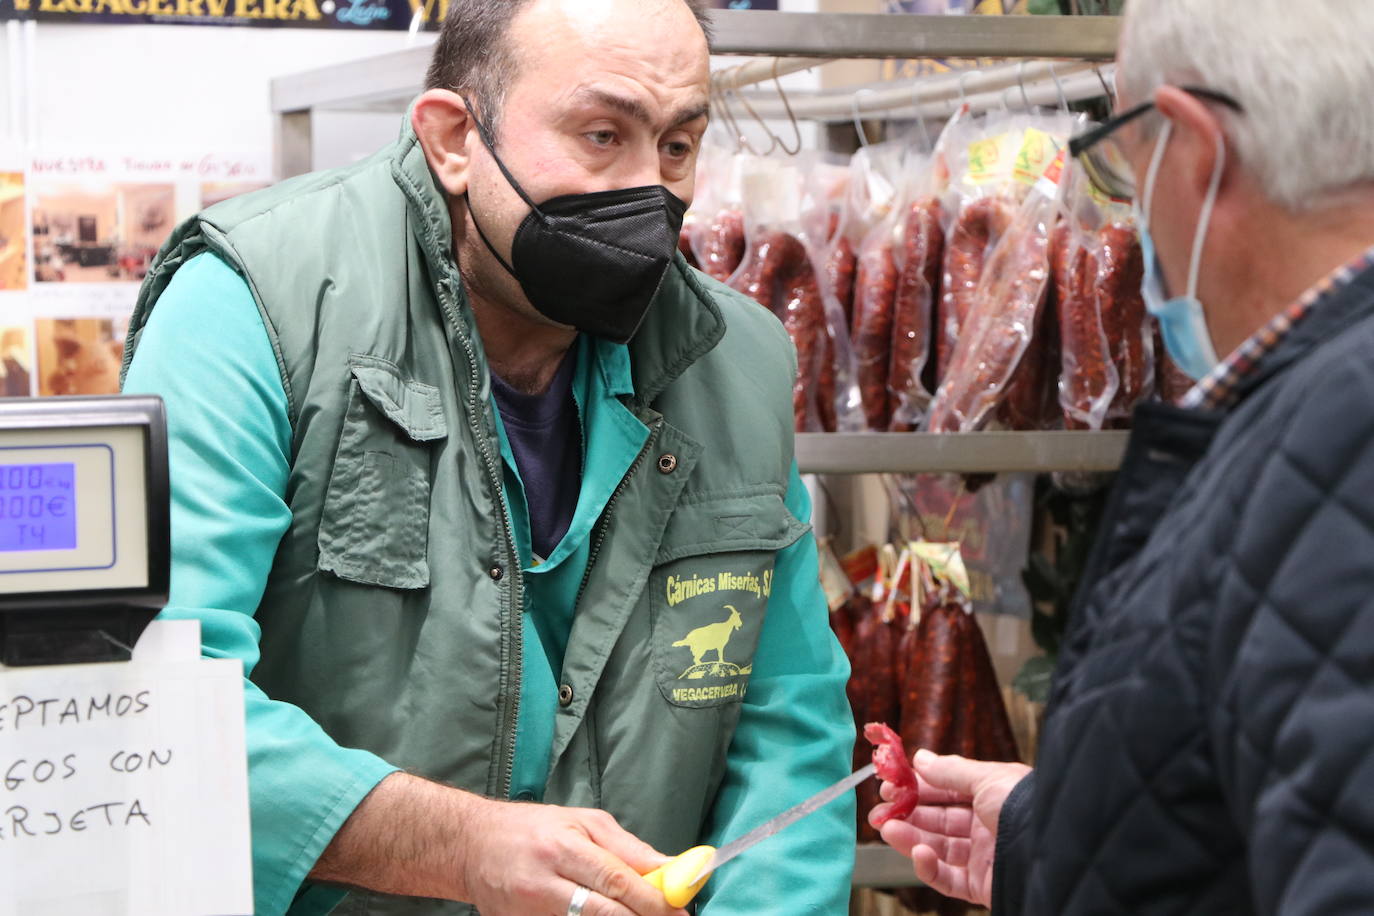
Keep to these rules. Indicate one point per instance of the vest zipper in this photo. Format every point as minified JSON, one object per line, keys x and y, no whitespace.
{"x":513,"y":642}
{"x":601,"y":526}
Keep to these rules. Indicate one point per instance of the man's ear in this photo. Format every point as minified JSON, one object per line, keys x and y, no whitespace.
{"x":1197,"y":127}
{"x":446,"y":131}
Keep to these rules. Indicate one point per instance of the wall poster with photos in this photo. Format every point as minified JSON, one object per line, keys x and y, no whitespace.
{"x":78,"y":233}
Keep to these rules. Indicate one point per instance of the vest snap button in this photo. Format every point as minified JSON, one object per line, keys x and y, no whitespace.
{"x":496,"y":573}
{"x":667,"y":463}
{"x":565,"y":695}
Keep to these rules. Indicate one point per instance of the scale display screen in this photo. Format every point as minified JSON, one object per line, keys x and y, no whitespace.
{"x":73,"y":509}
{"x":84,"y":533}
{"x":38,"y":506}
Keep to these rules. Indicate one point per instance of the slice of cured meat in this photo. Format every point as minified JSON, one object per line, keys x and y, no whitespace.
{"x":893,"y":767}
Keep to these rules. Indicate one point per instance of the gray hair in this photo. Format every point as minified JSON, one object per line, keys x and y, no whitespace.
{"x":1301,"y":71}
{"x":473,"y":55}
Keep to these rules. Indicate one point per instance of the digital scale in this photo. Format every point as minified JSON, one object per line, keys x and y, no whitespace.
{"x":84,"y":530}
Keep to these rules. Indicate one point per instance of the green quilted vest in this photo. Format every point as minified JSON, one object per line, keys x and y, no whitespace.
{"x":392,"y":614}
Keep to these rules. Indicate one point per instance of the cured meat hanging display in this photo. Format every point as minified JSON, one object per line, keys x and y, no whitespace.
{"x":874,"y":300}
{"x":999,"y":330}
{"x":1088,"y":379}
{"x":918,"y":285}
{"x":872,"y":691}
{"x":841,"y":265}
{"x":719,"y":244}
{"x":771,"y":260}
{"x":803,"y":316}
{"x":951,"y":702}
{"x":1120,"y":265}
{"x":976,"y":229}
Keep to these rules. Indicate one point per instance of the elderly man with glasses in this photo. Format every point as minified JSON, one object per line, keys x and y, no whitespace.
{"x":1206,"y":748}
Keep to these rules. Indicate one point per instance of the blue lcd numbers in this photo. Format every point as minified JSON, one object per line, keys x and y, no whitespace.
{"x":37,"y":507}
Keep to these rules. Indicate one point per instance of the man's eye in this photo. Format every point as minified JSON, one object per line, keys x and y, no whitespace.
{"x":602,"y":137}
{"x":678,"y":150}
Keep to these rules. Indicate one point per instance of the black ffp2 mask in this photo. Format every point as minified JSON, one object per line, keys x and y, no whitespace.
{"x":593,"y":261}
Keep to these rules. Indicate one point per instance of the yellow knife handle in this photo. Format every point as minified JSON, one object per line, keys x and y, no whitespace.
{"x":673,"y":876}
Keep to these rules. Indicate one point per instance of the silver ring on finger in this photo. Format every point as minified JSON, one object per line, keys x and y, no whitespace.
{"x":579,"y":900}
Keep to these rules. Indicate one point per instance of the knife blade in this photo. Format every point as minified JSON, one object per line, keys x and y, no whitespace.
{"x":777,"y":824}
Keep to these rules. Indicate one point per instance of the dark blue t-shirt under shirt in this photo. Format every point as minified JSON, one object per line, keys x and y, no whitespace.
{"x":545,"y":438}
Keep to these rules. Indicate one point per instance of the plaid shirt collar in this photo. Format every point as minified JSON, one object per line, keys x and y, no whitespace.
{"x":1220,"y":388}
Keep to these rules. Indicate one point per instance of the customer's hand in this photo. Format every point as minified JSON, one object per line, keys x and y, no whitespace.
{"x":952,"y":834}
{"x":522,"y":858}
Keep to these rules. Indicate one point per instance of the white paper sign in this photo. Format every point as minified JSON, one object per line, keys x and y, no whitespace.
{"x":124,"y":786}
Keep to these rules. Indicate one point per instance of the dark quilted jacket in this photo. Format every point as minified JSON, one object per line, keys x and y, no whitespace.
{"x":1209,"y":743}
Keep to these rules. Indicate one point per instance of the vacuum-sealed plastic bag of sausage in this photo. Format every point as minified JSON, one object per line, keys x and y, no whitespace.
{"x":874,"y":172}
{"x":1088,"y":378}
{"x":919,"y":259}
{"x":918,"y":251}
{"x":1106,"y":334}
{"x":1000,"y":366}
{"x":871,"y":192}
{"x":778,"y":273}
{"x":1120,"y":264}
{"x":715,"y":224}
{"x":827,"y":186}
{"x":875,"y":297}
{"x":978,"y":206}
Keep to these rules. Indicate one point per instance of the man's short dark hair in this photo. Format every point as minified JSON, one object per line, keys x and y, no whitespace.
{"x":473,"y":54}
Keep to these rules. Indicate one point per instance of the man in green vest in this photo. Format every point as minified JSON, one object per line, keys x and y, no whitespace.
{"x":495,"y":498}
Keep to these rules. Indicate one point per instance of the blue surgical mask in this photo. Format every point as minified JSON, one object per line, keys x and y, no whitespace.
{"x":1182,"y":322}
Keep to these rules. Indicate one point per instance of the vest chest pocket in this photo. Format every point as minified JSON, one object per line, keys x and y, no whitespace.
{"x":375,"y":526}
{"x":709,"y":593}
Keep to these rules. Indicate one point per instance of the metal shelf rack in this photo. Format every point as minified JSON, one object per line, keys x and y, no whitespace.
{"x":962,"y":453}
{"x":388,"y":82}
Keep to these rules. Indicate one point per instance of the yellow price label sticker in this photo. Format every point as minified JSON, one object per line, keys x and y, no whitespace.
{"x":990,"y":159}
{"x":1038,"y":149}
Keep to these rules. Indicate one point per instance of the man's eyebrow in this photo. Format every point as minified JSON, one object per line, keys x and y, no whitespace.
{"x":634,"y":109}
{"x":695,"y":113}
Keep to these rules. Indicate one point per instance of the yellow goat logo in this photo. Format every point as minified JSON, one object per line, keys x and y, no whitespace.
{"x":713,"y":637}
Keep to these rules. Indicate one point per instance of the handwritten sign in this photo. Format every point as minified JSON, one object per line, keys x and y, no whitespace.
{"x":123,"y":787}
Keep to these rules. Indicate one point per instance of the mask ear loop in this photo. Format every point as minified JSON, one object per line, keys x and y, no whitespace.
{"x":490,"y":143}
{"x":1204,"y":219}
{"x":1151,"y":173}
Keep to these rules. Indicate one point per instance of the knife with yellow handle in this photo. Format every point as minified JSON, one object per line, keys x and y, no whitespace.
{"x":680,"y":878}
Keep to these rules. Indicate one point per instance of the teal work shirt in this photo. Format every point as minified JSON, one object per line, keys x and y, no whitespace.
{"x":229,"y":439}
{"x":612,"y":437}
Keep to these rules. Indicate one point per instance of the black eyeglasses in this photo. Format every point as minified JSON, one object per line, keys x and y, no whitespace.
{"x":1103,"y":160}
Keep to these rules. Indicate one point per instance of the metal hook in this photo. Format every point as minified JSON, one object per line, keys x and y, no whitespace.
{"x":1021,"y":81}
{"x":1106,"y":89}
{"x":787,"y":107}
{"x":963,"y":94}
{"x":773,"y":141}
{"x":858,"y":121}
{"x":742,"y":144}
{"x":744,"y":139}
{"x":1059,"y":88}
